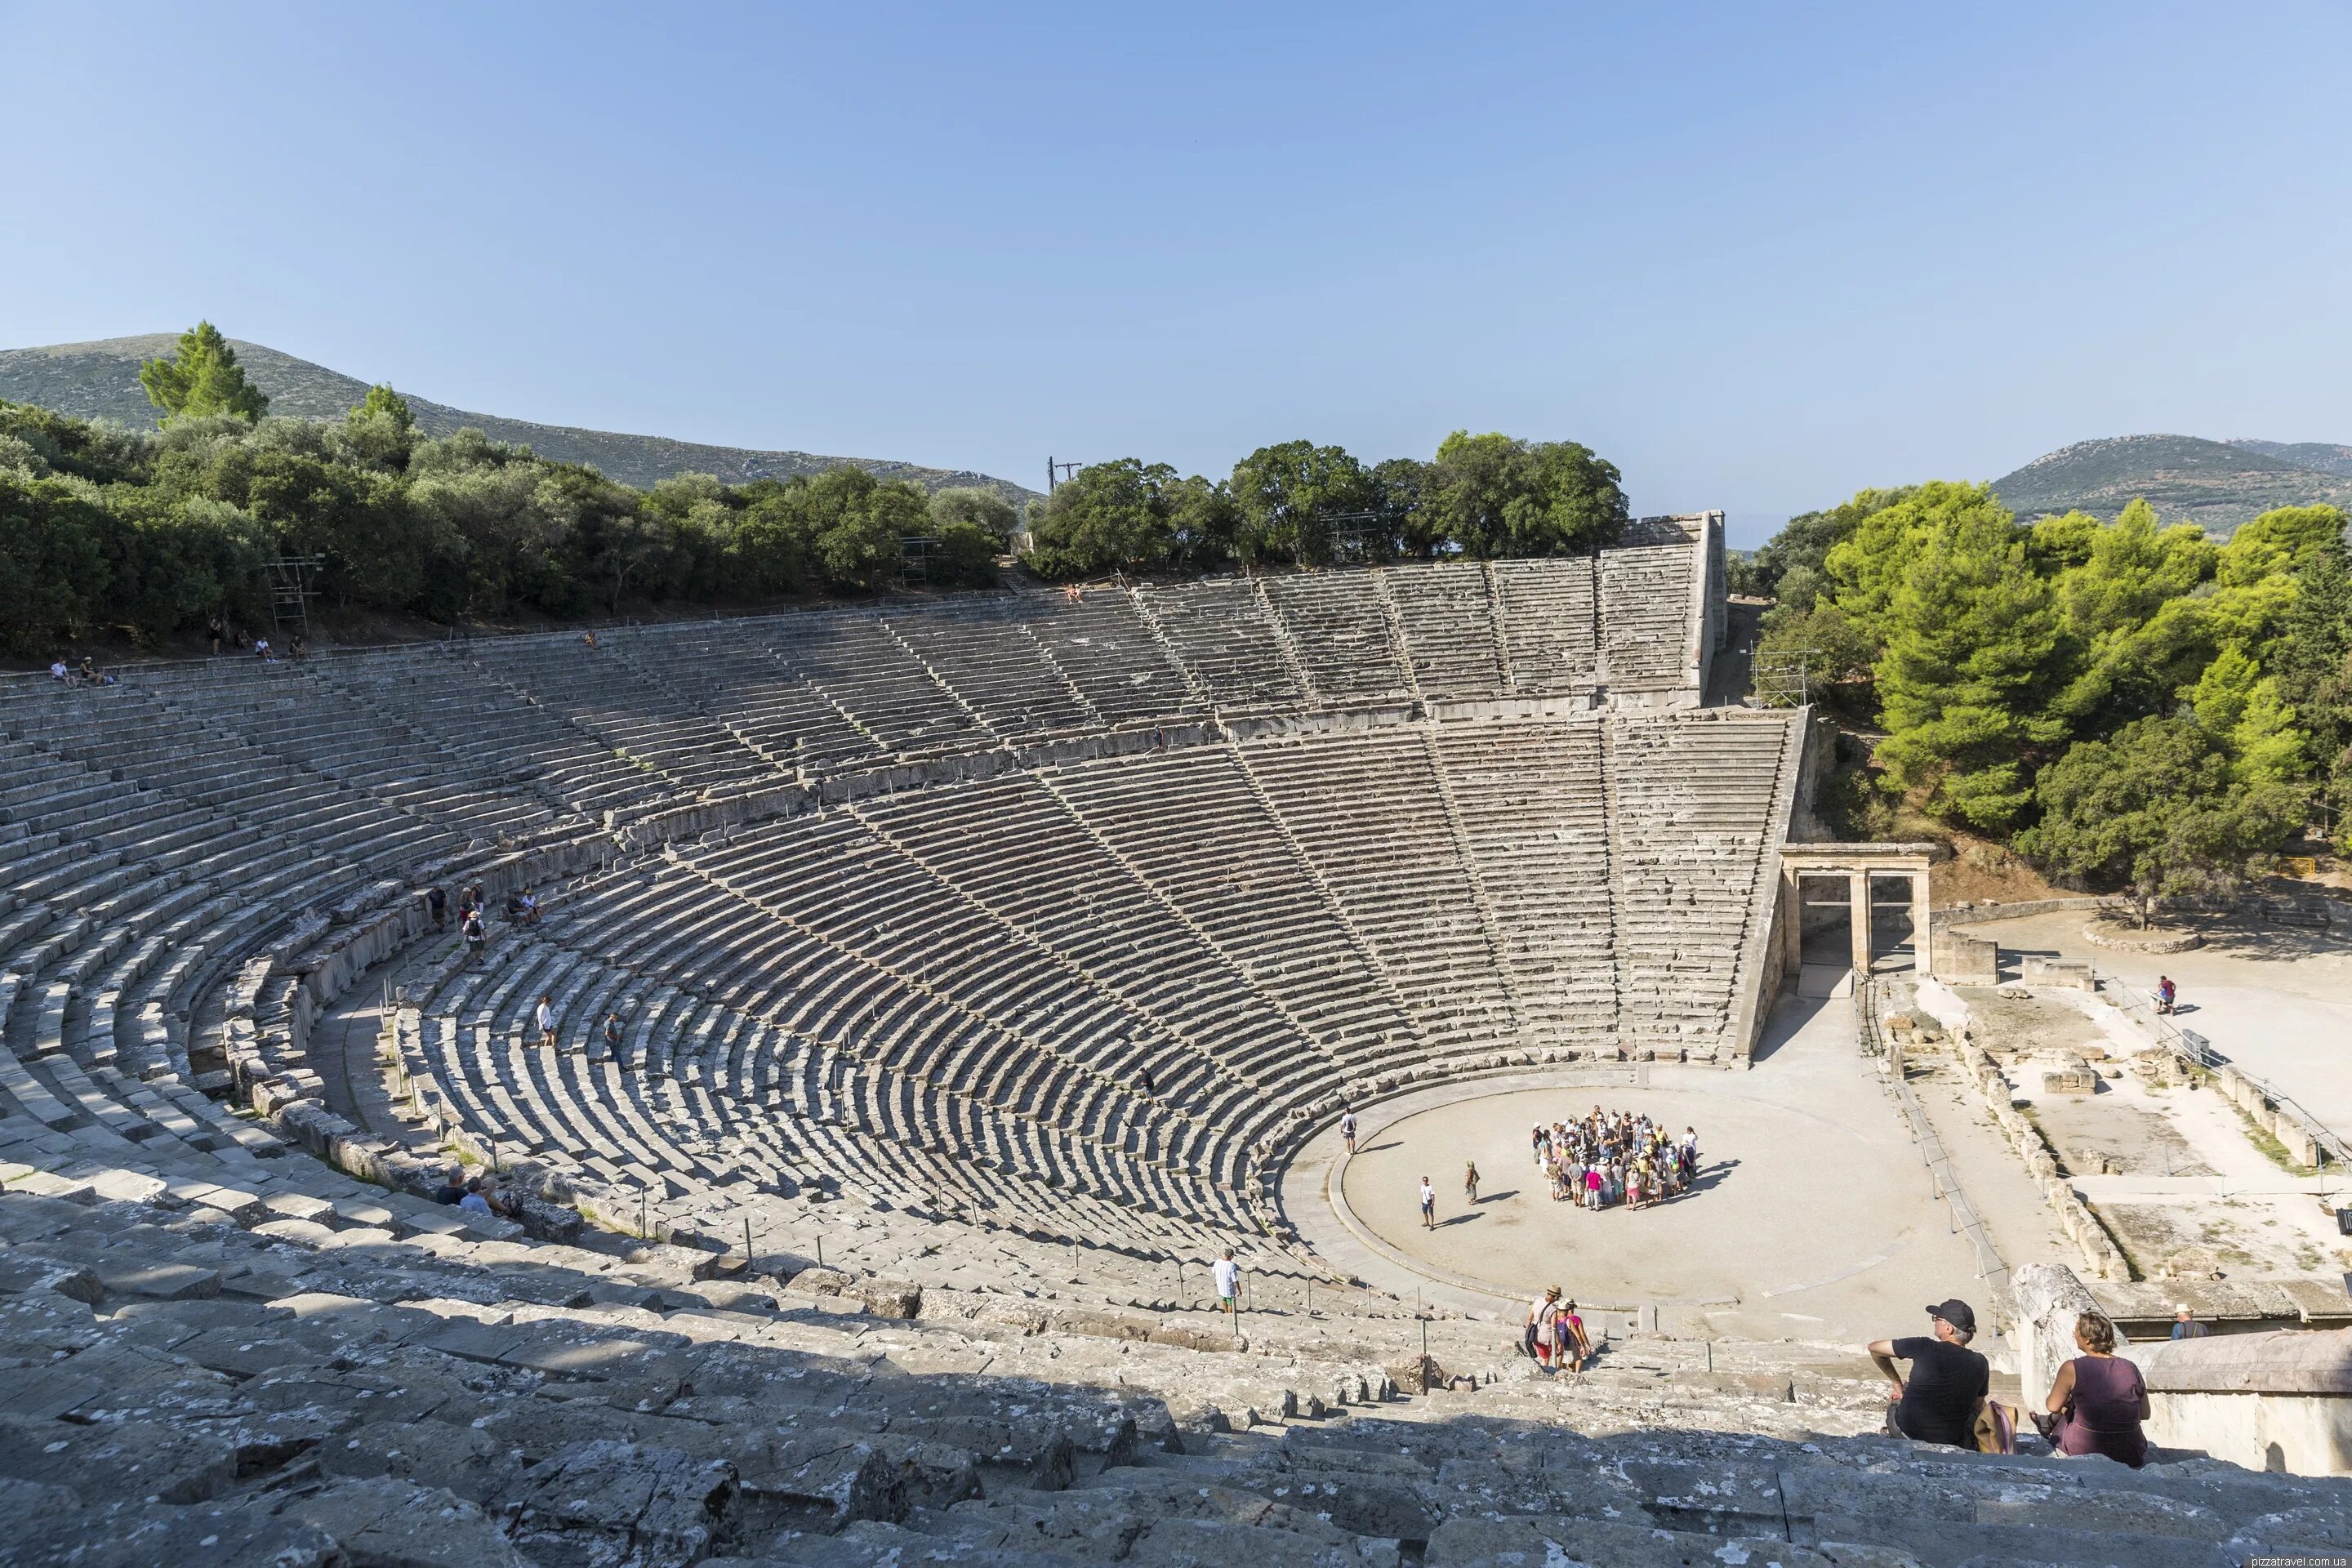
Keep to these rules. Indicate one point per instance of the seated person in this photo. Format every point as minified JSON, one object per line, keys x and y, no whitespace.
{"x":1938,"y":1402}
{"x":2097,"y":1399}
{"x":452,"y":1187}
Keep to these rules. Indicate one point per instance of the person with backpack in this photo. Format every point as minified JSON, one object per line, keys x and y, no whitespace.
{"x":1537,"y":1337}
{"x":1570,"y":1344}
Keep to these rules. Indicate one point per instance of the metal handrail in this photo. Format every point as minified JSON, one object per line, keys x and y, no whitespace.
{"x":2195,"y":1049}
{"x":1945,"y":1180}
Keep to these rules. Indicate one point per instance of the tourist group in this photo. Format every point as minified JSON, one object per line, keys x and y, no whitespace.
{"x":1606,"y":1159}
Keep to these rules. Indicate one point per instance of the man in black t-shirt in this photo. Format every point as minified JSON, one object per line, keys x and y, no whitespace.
{"x":1938,"y":1402}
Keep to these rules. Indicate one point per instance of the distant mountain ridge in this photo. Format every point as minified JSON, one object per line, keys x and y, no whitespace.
{"x":2217,"y":484}
{"x":101,"y":381}
{"x":2320,"y":454}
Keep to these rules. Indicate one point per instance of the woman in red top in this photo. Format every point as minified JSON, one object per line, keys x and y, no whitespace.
{"x":2099,"y":1398}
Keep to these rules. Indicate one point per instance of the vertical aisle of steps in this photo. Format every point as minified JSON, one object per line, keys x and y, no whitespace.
{"x":1490,"y":926}
{"x":1499,"y":614}
{"x":1366,"y":951}
{"x":1168,"y":649}
{"x":1397,"y":637}
{"x":1286,"y":643}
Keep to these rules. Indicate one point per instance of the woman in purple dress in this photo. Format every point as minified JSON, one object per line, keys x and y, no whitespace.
{"x":2099,"y":1398}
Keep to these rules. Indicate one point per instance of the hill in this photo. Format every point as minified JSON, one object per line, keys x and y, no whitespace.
{"x":2320,"y":454}
{"x":101,"y":381}
{"x":2219,"y":484}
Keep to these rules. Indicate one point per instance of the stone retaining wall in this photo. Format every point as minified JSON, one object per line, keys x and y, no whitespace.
{"x":2275,"y":1401}
{"x":2099,"y":1253}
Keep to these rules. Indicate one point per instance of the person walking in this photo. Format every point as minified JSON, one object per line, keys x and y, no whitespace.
{"x":613,"y":1035}
{"x":1535,"y":1339}
{"x":546,"y":1019}
{"x":1938,"y":1402}
{"x":2166,"y":993}
{"x":477,"y":939}
{"x":1347,"y":1128}
{"x":1228,"y":1275}
{"x":1470,"y":1181}
{"x":1428,"y":1206}
{"x":1572,"y":1344}
{"x":438,"y":901}
{"x":2097,"y":1401}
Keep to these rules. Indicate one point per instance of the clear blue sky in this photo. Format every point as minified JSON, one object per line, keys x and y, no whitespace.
{"x":1757,"y":255}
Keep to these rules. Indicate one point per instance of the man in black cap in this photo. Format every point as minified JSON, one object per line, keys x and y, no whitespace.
{"x":1938,"y":1402}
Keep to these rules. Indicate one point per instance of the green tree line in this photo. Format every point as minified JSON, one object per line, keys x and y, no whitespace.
{"x":2135,"y":707}
{"x":1299,"y":503}
{"x":155,"y":532}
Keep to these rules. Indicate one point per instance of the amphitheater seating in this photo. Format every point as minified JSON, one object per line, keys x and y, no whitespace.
{"x":1547,"y":616}
{"x":1640,"y":616}
{"x":1447,"y":620}
{"x":1224,"y":633}
{"x":1115,"y":976}
{"x":1340,"y":632}
{"x":968,"y":965}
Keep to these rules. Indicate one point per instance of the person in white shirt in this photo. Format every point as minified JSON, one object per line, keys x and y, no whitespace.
{"x":547,"y":1021}
{"x":1537,"y":1338}
{"x":1347,"y":1128}
{"x":1229,"y":1282}
{"x":1428,"y":1206}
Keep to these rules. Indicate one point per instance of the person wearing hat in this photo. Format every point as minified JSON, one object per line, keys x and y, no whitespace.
{"x":1938,"y":1402}
{"x":1536,"y":1340}
{"x":2185,"y":1325}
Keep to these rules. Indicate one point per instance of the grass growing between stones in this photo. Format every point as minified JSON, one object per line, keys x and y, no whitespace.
{"x":2272,"y":1149}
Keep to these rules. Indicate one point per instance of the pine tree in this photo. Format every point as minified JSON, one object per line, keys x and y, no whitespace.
{"x":204,"y":379}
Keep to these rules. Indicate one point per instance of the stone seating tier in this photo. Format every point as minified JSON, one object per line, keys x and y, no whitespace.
{"x":194,"y":1372}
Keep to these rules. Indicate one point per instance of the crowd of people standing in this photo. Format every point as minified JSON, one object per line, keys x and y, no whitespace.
{"x":1604,"y":1159}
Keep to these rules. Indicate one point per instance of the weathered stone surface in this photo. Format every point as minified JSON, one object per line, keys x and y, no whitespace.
{"x":76,"y":1282}
{"x":161,"y":1281}
{"x":795,"y":1483}
{"x":598,"y":1503}
{"x":822,"y":1282}
{"x":891,"y":1297}
{"x":209,"y":1535}
{"x":875,"y":1545}
{"x":1418,"y":1375}
{"x":1945,"y":1543}
{"x":37,"y":1506}
{"x":2292,"y":1361}
{"x":1552,"y":1542}
{"x":465,"y":1459}
{"x":114,"y":1461}
{"x":386,"y":1523}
